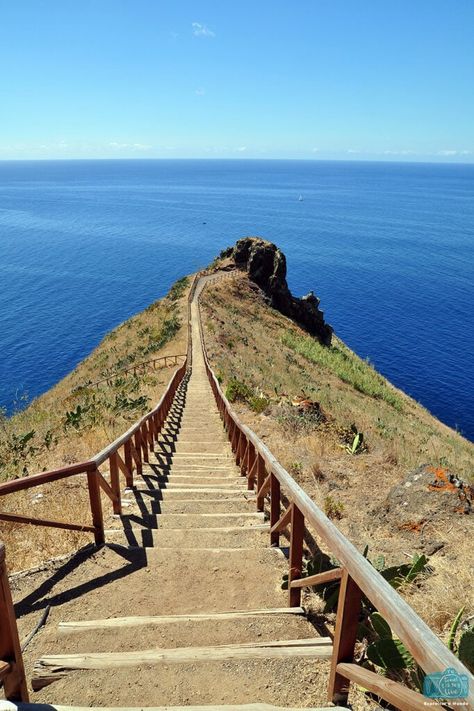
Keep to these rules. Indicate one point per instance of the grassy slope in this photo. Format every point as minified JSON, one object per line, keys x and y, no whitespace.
{"x":273,"y":361}
{"x":106,"y":412}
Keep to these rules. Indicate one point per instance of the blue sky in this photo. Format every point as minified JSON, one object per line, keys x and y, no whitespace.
{"x":313,"y":79}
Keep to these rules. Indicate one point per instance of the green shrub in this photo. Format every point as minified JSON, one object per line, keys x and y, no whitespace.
{"x":333,"y":508}
{"x":236,"y":390}
{"x":178,"y":289}
{"x":258,"y":404}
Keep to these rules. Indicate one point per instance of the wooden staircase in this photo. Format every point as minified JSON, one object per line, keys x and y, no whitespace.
{"x":183,"y":606}
{"x":190,"y":611}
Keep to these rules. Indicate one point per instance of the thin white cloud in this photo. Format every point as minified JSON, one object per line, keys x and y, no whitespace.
{"x":450,"y":152}
{"x":241,"y":149}
{"x":129,"y":146}
{"x":315,"y":150}
{"x":402,"y":152}
{"x":200,"y":30}
{"x":200,"y":92}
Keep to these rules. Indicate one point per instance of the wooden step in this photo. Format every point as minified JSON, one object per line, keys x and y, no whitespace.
{"x":150,"y":620}
{"x":210,"y":520}
{"x":197,"y":494}
{"x":175,"y":631}
{"x":230,"y":483}
{"x":51,"y":667}
{"x":192,"y":506}
{"x":228,"y":537}
{"x":134,"y":517}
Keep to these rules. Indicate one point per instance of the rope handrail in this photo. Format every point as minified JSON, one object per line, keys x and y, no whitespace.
{"x":358,"y":576}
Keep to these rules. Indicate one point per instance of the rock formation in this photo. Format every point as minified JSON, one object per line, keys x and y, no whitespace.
{"x":266,"y":266}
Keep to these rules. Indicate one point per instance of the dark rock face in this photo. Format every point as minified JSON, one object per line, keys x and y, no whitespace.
{"x":266,"y":266}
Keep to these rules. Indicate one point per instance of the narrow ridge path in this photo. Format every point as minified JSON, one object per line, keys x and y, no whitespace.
{"x":184,"y":606}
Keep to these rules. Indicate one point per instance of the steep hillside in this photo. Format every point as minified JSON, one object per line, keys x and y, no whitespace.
{"x":76,"y":419}
{"x":391,"y":488}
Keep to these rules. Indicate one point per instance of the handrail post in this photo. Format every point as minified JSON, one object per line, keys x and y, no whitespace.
{"x":251,"y":466}
{"x":144,"y":441}
{"x":296,"y":554}
{"x":96,"y":507}
{"x":261,"y":474}
{"x":274,"y":508}
{"x":138,"y":449}
{"x":345,"y":635}
{"x":128,"y":463}
{"x":115,"y":483}
{"x":10,"y":651}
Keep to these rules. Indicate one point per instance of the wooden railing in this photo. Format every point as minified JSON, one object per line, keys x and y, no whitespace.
{"x":357,"y":576}
{"x":124,"y":455}
{"x":142,"y":366}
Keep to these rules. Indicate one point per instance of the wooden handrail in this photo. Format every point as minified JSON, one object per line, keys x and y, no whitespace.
{"x":137,"y":366}
{"x":358,"y":576}
{"x":137,"y":442}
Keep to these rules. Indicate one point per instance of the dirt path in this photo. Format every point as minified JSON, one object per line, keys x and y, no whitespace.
{"x":152,"y":619}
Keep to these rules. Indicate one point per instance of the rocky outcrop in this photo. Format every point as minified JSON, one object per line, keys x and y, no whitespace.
{"x":266,"y":266}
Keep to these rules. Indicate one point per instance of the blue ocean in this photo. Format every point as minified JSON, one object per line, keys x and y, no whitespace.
{"x":387,"y":247}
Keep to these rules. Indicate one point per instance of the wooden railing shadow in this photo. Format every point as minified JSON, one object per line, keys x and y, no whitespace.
{"x":124,"y":456}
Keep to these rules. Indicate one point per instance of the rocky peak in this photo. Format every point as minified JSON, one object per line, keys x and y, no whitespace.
{"x":265,"y":265}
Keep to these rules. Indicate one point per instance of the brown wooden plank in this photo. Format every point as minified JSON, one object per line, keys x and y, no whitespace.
{"x":115,"y":483}
{"x":122,"y":466}
{"x":296,"y":554}
{"x":28,"y":482}
{"x":5,"y":668}
{"x":264,"y":488}
{"x":319,"y":579}
{"x":345,"y":635}
{"x":105,"y":486}
{"x":127,"y":449}
{"x":28,"y":520}
{"x":96,"y":507}
{"x":14,"y":681}
{"x":261,"y":475}
{"x":400,"y":696}
{"x":274,"y":508}
{"x":52,"y":667}
{"x":283,"y":521}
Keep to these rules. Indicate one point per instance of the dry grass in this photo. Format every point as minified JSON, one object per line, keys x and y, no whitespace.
{"x":271,"y":356}
{"x":107,"y":412}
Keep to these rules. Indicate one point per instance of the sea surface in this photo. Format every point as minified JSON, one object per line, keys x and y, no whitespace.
{"x":387,"y":247}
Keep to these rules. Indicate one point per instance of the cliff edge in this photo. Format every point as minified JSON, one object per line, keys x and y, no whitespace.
{"x":265,"y":265}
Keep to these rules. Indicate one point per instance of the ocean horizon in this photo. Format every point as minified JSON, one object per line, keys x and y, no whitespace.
{"x":387,"y":247}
